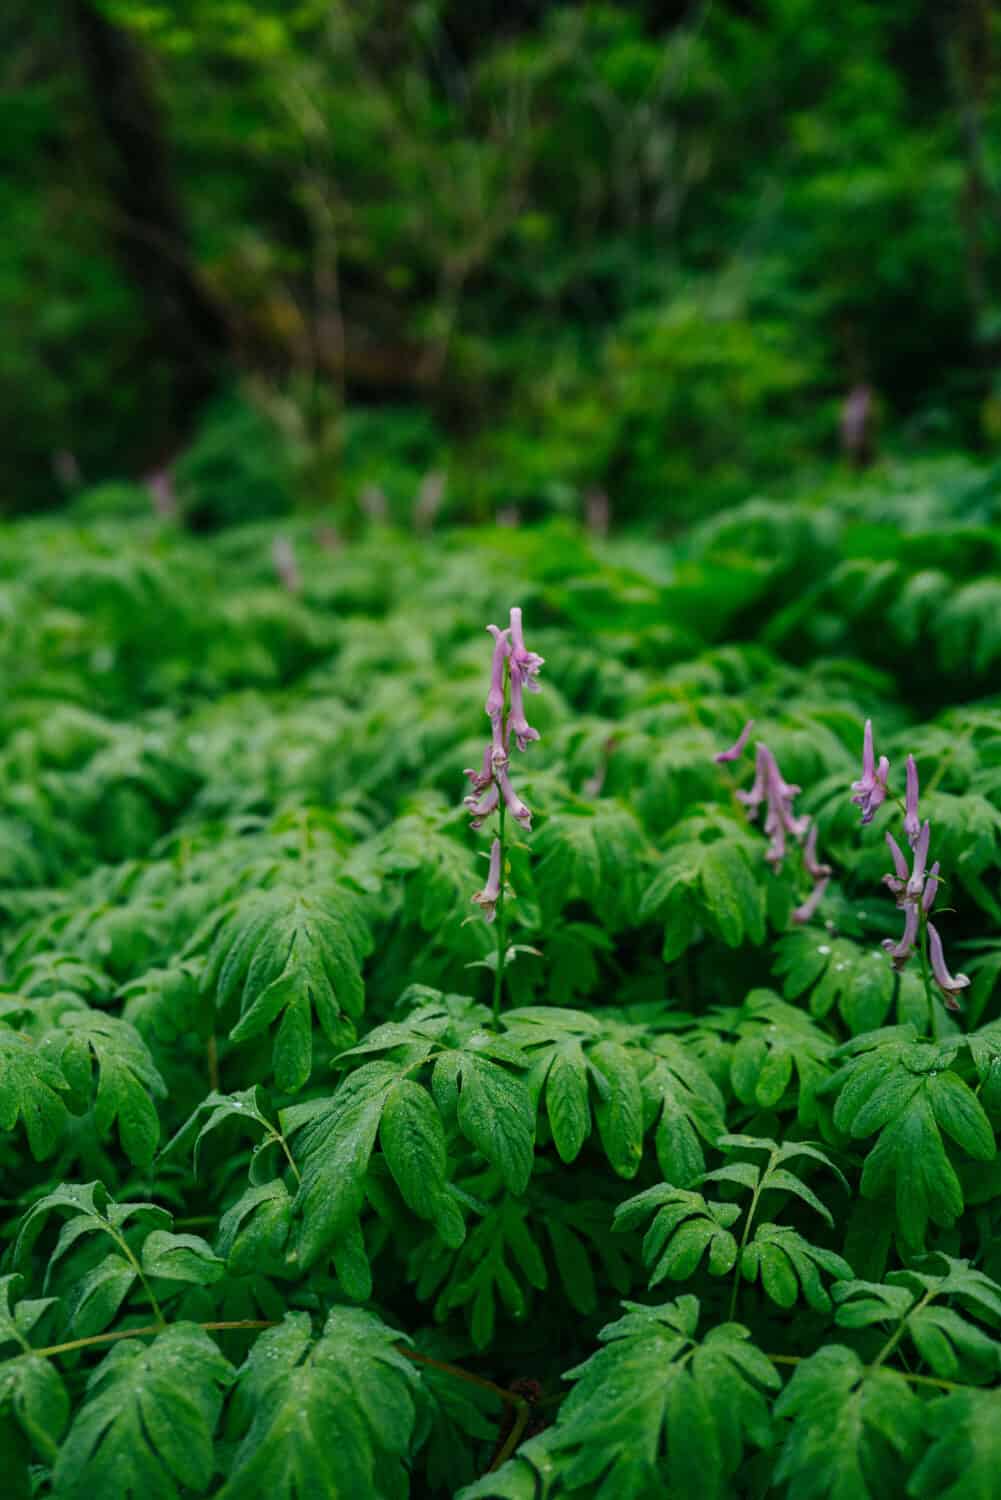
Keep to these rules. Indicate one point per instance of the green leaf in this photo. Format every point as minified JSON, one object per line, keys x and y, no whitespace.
{"x":693,"y":1407}
{"x":329,"y":1417}
{"x":964,"y":1458}
{"x":413,"y":1142}
{"x":684,"y":1227}
{"x":287,"y":953}
{"x":908,"y":1092}
{"x":859,"y":981}
{"x":499,"y":1259}
{"x":31,"y":1089}
{"x":334,"y":1148}
{"x":127,"y":1078}
{"x":496,"y":1115}
{"x":853,"y":1434}
{"x":35,"y":1392}
{"x":787,"y":1262}
{"x":181,"y":1257}
{"x":147,"y":1421}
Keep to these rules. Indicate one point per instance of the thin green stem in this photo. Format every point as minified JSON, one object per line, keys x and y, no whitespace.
{"x":148,"y":1330}
{"x":502,"y":839}
{"x":276,"y":1135}
{"x":942,"y":1385}
{"x":899,"y":1332}
{"x":501,"y":916}
{"x":130,"y":1256}
{"x":735,"y":1292}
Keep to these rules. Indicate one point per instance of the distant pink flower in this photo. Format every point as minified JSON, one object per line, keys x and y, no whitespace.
{"x":811,"y":864}
{"x":490,"y":894}
{"x":736,"y":750}
{"x":495,"y":697}
{"x":901,"y":951}
{"x":949,"y":984}
{"x":912,"y":823}
{"x":524,"y":664}
{"x":518,"y":725}
{"x":807,"y":909}
{"x":870,"y":789}
{"x":518,"y":810}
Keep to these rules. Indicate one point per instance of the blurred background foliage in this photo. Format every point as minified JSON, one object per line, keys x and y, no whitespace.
{"x":493,"y":258}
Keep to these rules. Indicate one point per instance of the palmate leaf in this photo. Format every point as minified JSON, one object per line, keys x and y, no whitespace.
{"x":910,"y":1093}
{"x":288,"y":953}
{"x":684,"y":1227}
{"x":127,"y":1077}
{"x":499,"y":1261}
{"x":31,"y":1089}
{"x":593,"y":855}
{"x":656,"y":1411}
{"x":964,"y":1459}
{"x":836,"y":971}
{"x":473,"y":1090}
{"x":780,"y":1059}
{"x":147,"y":1422}
{"x":854,"y":1434}
{"x":327,"y":1418}
{"x":944,"y":1337}
{"x":713,"y":885}
{"x":787,"y":1263}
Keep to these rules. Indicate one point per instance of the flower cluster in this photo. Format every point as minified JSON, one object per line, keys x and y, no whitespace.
{"x":914,"y":885}
{"x":781,"y":820}
{"x":513,"y":671}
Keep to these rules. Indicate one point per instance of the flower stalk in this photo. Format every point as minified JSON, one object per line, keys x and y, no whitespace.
{"x":513,"y":671}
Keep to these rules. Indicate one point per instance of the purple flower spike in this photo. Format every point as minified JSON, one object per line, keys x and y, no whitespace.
{"x":870,"y":789}
{"x":524,"y":664}
{"x":518,"y":725}
{"x":912,"y":823}
{"x":488,"y":897}
{"x":807,"y":909}
{"x":736,"y":750}
{"x":949,"y":984}
{"x":901,"y":952}
{"x":495,"y":697}
{"x":518,"y":810}
{"x":931,"y":889}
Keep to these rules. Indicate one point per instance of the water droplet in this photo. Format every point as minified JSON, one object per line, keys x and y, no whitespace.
{"x":823,"y":948}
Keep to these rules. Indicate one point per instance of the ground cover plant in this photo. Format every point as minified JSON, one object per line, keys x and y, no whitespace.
{"x":640,"y":1140}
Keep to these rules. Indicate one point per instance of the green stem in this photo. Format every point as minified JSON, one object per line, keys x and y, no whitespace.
{"x":501,"y":835}
{"x":743,"y":1238}
{"x":130,"y":1256}
{"x":899,"y":1332}
{"x":942,"y":1385}
{"x":149,"y":1330}
{"x":501,"y":916}
{"x":276,"y":1135}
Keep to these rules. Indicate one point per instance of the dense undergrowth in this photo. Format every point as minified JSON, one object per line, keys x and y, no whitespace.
{"x":287,"y":1214}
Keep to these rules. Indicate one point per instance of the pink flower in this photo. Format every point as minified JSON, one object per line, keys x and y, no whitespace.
{"x":481,"y":779}
{"x":518,"y":810}
{"x":736,"y":750}
{"x":811,"y":865}
{"x":806,"y":910}
{"x":488,"y":897}
{"x":524,"y":664}
{"x":949,"y":984}
{"x":482,"y":807}
{"x":901,"y":951}
{"x":870,"y":789}
{"x":495,"y":697}
{"x":912,"y":823}
{"x":518,"y":725}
